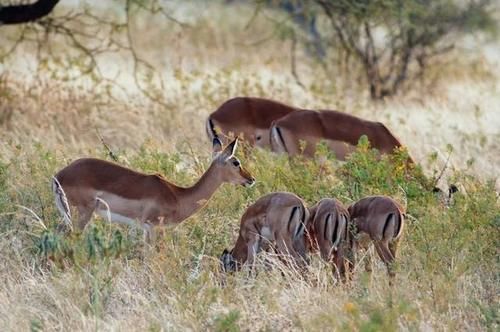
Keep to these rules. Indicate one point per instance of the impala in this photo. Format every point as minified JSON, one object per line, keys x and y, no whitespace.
{"x":378,"y":219}
{"x":246,"y":116}
{"x":340,"y":131}
{"x":328,"y":231}
{"x":129,"y":197}
{"x":276,"y":220}
{"x":445,"y":197}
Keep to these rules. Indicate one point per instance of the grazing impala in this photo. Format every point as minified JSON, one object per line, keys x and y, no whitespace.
{"x":276,"y":220}
{"x":247,"y":116}
{"x":128,"y":197}
{"x":378,"y":219}
{"x":328,"y":231}
{"x":341,"y":132}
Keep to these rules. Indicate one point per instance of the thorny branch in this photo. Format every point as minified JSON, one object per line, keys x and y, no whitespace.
{"x":88,"y":36}
{"x":111,"y":154}
{"x":387,"y":62}
{"x":138,"y":61}
{"x":293,"y":61}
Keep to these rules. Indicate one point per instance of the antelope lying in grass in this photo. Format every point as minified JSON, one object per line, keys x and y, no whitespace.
{"x":276,"y":220}
{"x":340,"y":131}
{"x":129,"y":197}
{"x":328,"y":231}
{"x":378,"y":219}
{"x":246,"y":116}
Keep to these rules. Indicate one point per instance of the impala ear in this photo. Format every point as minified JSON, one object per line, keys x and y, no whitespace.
{"x":216,"y":147}
{"x":453,"y":189}
{"x":226,"y":261}
{"x":229,"y":150}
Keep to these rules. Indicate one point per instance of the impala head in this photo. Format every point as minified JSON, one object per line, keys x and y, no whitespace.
{"x":227,"y":262}
{"x":230,"y":167}
{"x":262,"y":138}
{"x":446,"y":198}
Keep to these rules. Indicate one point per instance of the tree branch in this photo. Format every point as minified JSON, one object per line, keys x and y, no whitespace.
{"x":18,"y":14}
{"x":293,"y":61}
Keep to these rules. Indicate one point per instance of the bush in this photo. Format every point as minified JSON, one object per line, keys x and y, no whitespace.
{"x":394,"y":40}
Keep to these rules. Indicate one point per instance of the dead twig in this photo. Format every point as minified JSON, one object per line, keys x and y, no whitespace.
{"x":293,"y":61}
{"x":106,"y":146}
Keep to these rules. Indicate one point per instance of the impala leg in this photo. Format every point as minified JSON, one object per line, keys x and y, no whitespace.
{"x":340,"y":264}
{"x":336,"y":262}
{"x":267,"y":246}
{"x":300,"y":248}
{"x":285,"y":248}
{"x":159,"y":233}
{"x":368,"y":261}
{"x":252,"y":249}
{"x":393,"y":247}
{"x":386,"y":256}
{"x":349,"y":265}
{"x":149,"y":233}
{"x":353,"y":253}
{"x":145,"y":223}
{"x":281,"y":248}
{"x":85,"y":213}
{"x":347,"y":252}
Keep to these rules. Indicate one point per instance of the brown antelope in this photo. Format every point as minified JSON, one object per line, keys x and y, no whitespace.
{"x":340,"y":131}
{"x":378,"y":219}
{"x":328,"y":231}
{"x":126,"y":196}
{"x":276,"y":220}
{"x":246,"y":116}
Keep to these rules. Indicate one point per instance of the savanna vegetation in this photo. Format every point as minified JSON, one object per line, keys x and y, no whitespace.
{"x":145,"y":105}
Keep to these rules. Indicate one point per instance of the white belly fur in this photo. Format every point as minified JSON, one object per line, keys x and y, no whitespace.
{"x":117,"y":218}
{"x":121,"y":210}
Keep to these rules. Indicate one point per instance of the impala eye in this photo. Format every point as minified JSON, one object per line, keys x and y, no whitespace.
{"x":258,"y":137}
{"x":236,"y":163}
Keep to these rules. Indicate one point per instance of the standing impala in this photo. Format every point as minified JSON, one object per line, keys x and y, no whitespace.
{"x":378,"y":219}
{"x":129,"y":197}
{"x":246,"y":116}
{"x":328,"y":231}
{"x":276,"y":220}
{"x":341,"y":132}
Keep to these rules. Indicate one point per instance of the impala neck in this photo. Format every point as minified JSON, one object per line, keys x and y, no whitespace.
{"x":240,"y":250}
{"x":194,"y":198}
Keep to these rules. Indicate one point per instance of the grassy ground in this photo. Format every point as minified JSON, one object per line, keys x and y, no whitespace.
{"x":104,"y":278}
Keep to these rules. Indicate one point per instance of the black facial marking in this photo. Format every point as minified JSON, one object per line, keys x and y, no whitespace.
{"x":453,"y":189}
